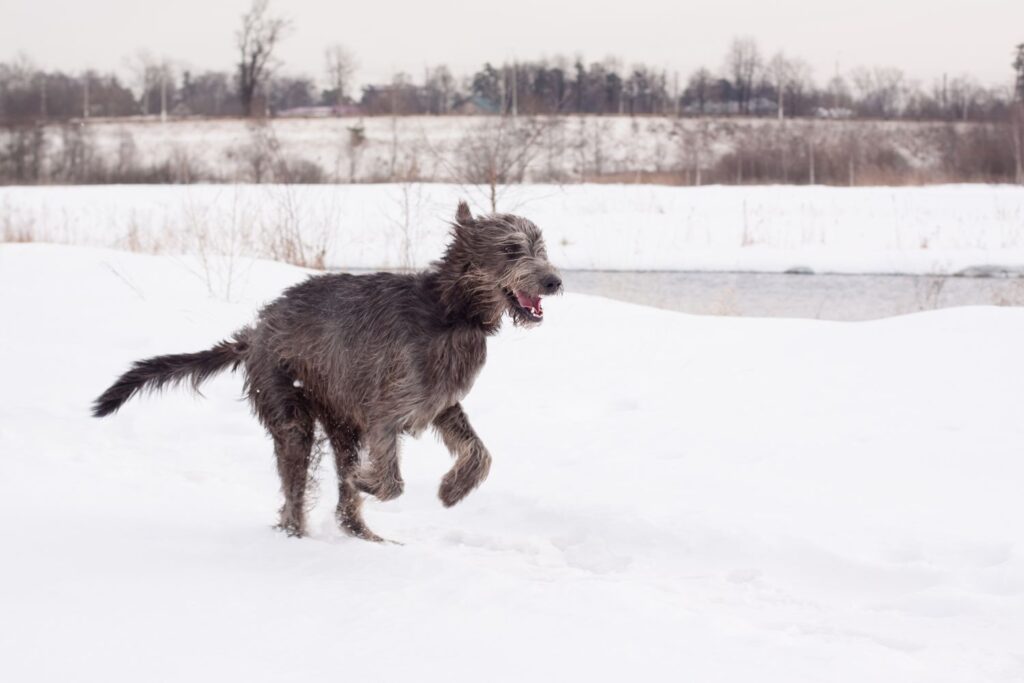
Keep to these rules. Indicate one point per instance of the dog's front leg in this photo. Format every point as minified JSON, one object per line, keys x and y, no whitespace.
{"x":381,"y":476}
{"x":472,"y":461}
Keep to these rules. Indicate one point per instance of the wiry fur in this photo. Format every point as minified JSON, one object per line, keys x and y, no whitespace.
{"x":370,"y":358}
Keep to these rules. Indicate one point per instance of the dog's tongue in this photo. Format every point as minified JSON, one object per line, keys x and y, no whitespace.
{"x":530,"y":302}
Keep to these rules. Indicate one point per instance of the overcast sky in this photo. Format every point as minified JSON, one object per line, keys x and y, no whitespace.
{"x":926,"y":38}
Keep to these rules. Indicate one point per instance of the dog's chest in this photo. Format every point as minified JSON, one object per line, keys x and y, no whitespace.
{"x":451,"y":364}
{"x":454,"y":361}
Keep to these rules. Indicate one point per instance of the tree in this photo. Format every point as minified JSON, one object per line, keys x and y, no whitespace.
{"x":209,"y":94}
{"x":698,"y":88}
{"x":962,"y":95}
{"x":487,"y":85}
{"x":743,"y":61}
{"x":143,"y":70}
{"x":257,"y":38}
{"x":439,"y":89}
{"x":837,"y":93}
{"x":158,"y":80}
{"x":494,"y":154}
{"x":882,"y":91}
{"x":289,"y":92}
{"x":341,"y":66}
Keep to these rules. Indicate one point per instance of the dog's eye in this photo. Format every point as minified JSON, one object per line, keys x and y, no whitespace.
{"x":511,"y":250}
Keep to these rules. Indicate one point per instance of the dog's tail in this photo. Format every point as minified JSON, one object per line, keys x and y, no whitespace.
{"x":154,"y":373}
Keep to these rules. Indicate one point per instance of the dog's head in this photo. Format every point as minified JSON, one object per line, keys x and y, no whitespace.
{"x":507,"y":255}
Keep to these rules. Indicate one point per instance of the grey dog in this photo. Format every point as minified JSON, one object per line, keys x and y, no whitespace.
{"x":373,"y":357}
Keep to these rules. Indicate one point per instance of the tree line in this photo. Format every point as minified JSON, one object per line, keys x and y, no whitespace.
{"x":748,"y":82}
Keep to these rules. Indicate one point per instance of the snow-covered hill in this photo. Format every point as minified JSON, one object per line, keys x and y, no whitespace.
{"x":564,"y":149}
{"x":673,"y":498}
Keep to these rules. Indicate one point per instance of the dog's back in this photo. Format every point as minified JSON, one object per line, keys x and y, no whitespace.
{"x":359,"y":344}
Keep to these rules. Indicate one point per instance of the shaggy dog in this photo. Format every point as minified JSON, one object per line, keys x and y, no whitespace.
{"x":372,"y":357}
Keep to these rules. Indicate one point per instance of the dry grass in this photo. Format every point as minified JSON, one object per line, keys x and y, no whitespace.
{"x":13,"y":234}
{"x":15,"y":229}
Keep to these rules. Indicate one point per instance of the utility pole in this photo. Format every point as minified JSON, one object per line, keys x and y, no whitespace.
{"x":1017,"y":113}
{"x":163,"y":93}
{"x":515,"y":92}
{"x":781,"y":103}
{"x":675,"y":93}
{"x":42,"y":95}
{"x":85,"y":95}
{"x":504,"y":88}
{"x":945,"y":95}
{"x":835,"y":94}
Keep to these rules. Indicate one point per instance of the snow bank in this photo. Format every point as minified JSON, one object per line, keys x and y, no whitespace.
{"x":673,"y":498}
{"x":941,"y":230}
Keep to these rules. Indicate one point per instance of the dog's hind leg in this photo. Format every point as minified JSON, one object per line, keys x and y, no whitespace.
{"x":381,"y":476}
{"x":472,"y":461}
{"x":288,"y":416}
{"x":344,"y":440}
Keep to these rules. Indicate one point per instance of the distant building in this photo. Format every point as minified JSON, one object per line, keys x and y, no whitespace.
{"x":320,"y":111}
{"x":833,"y":113}
{"x":759,"y":106}
{"x":476,"y":105}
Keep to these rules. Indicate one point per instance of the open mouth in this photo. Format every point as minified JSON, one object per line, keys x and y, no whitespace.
{"x":528,"y":305}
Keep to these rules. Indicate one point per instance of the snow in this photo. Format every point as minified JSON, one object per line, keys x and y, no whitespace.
{"x":441,"y":148}
{"x":938,"y":230}
{"x":673,"y":497}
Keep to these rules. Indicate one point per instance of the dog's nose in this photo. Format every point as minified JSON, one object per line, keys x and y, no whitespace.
{"x":551,"y":284}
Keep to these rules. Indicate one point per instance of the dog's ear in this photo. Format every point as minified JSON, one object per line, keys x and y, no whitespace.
{"x":463,"y":216}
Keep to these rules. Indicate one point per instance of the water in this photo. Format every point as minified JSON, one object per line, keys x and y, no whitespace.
{"x":787,"y":295}
{"x":828,"y":297}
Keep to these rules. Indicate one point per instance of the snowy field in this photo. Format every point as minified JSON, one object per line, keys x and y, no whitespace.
{"x":565,"y":148}
{"x":934,"y":230}
{"x":691,"y":498}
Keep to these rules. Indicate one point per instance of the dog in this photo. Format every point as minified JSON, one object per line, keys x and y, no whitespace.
{"x":373,"y":357}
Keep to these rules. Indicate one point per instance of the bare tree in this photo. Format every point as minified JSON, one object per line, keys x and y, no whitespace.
{"x":882,"y":91}
{"x":142,"y":66}
{"x":493,"y":155}
{"x":838,"y":93}
{"x":801,"y":81}
{"x":439,"y":87}
{"x":498,"y":153}
{"x":963,"y":93}
{"x":744,"y":63}
{"x":696,"y":143}
{"x":341,"y":66}
{"x":699,"y":88}
{"x":257,"y":38}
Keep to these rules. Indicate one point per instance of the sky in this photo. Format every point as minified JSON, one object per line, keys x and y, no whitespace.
{"x":926,"y":38}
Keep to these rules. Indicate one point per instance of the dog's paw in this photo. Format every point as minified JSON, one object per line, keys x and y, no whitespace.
{"x":356,"y":527}
{"x":452,"y":490}
{"x":291,"y":529}
{"x":462,"y":479}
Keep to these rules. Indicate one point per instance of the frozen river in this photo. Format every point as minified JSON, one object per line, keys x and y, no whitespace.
{"x":829,"y":297}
